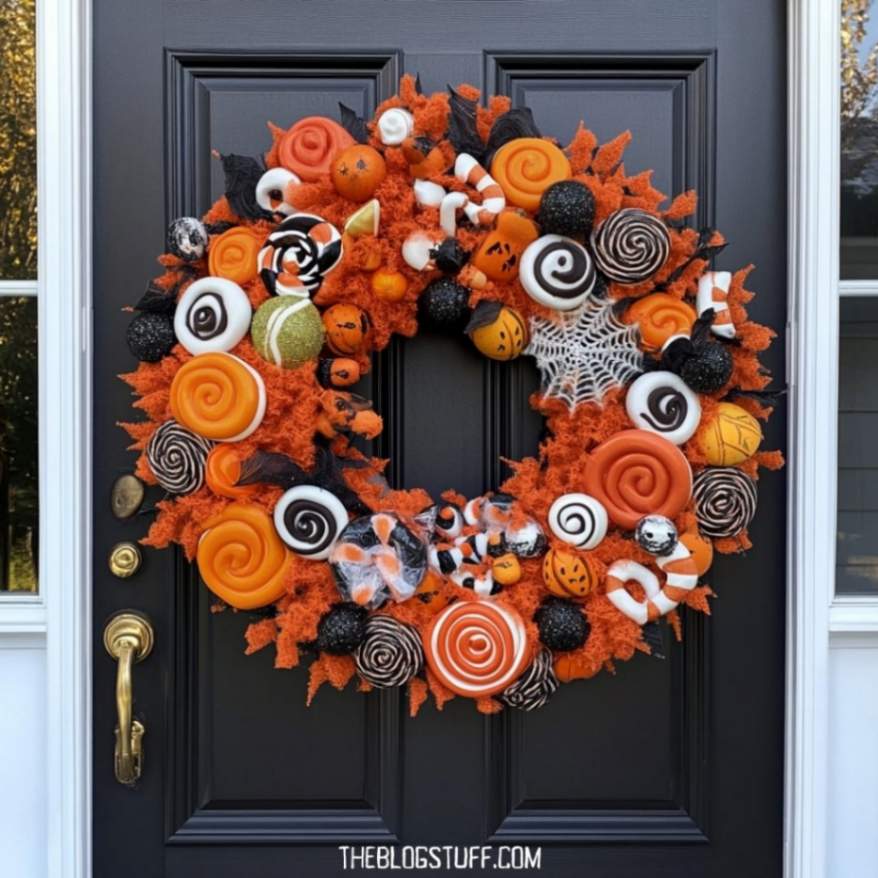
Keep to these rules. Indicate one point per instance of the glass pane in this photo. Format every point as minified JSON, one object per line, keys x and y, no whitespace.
{"x":18,"y":141}
{"x":857,"y":546}
{"x":18,"y":444}
{"x":859,"y":139}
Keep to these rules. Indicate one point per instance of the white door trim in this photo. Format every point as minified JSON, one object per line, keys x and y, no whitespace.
{"x":64,"y":198}
{"x":64,"y":126}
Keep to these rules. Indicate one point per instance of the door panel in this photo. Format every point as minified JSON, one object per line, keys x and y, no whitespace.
{"x":679,"y":759}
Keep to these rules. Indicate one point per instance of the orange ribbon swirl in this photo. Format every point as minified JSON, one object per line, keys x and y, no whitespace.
{"x":636,"y":473}
{"x":308,"y":148}
{"x":526,"y":167}
{"x":218,"y":396}
{"x":659,"y":316}
{"x":476,"y":648}
{"x":234,"y":254}
{"x":241,"y":558}
{"x":222,"y":471}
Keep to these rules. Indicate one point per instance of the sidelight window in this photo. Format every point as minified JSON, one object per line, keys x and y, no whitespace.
{"x":18,"y":299}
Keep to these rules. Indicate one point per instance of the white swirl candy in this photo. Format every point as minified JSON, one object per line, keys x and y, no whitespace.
{"x":578,"y":519}
{"x":212,"y":315}
{"x":271,"y":190}
{"x":662,"y":403}
{"x":395,"y":125}
{"x":309,"y":520}
{"x":557,"y":272}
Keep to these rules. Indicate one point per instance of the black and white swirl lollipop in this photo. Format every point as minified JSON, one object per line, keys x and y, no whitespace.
{"x":725,"y":501}
{"x":535,"y":686}
{"x":578,"y":519}
{"x":557,"y":272}
{"x":309,"y":519}
{"x":390,"y":653}
{"x":661,"y":402}
{"x":298,"y":255}
{"x":212,"y":315}
{"x":177,"y":458}
{"x":630,"y":245}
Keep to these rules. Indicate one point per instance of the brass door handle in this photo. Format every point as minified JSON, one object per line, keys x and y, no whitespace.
{"x":128,"y":638}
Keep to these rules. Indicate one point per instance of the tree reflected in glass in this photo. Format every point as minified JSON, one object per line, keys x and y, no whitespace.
{"x":18,"y":141}
{"x":18,"y":444}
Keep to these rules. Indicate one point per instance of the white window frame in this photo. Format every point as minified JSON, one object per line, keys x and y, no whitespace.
{"x":64,"y":181}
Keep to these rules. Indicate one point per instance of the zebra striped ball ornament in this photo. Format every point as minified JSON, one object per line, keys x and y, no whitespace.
{"x":287,"y":331}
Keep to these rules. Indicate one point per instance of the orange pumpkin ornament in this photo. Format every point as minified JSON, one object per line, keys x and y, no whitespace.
{"x":389,"y":286}
{"x":358,"y":171}
{"x":222,"y":472}
{"x":347,"y":329}
{"x":659,"y":316}
{"x":700,"y":548}
{"x":506,"y":569}
{"x":432,"y":592}
{"x":499,"y":254}
{"x":241,"y":558}
{"x":569,"y":575}
{"x":498,"y":330}
{"x":234,"y":254}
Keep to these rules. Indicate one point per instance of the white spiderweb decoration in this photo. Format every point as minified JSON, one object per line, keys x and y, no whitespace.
{"x":584,"y":353}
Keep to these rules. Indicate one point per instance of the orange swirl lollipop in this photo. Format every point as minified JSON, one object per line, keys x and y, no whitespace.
{"x":476,"y":648}
{"x":241,"y":558}
{"x":526,"y":167}
{"x":222,"y":471}
{"x":234,"y":254}
{"x":218,"y":396}
{"x":659,"y":316}
{"x":636,"y":473}
{"x":308,"y":148}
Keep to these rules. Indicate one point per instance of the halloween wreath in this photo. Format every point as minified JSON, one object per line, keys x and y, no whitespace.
{"x":465,"y":218}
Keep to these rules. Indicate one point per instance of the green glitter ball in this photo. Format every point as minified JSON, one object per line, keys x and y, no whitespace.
{"x":287,"y":331}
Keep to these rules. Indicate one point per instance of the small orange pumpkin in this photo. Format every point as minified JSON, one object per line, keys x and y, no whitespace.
{"x":358,"y":171}
{"x":701,"y":549}
{"x":347,"y":329}
{"x":389,"y":286}
{"x":506,"y":569}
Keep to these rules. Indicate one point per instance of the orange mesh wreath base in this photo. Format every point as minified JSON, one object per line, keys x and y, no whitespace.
{"x":463,"y":216}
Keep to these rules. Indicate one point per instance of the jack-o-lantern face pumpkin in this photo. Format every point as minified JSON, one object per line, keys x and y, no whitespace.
{"x":500,"y":253}
{"x":347,"y":329}
{"x":432,"y":593}
{"x":358,"y":171}
{"x":498,"y":331}
{"x":568,"y":575}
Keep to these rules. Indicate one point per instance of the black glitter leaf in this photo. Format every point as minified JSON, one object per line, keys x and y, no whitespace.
{"x":157,"y":301}
{"x":352,"y":123}
{"x":242,"y":174}
{"x":462,"y":130}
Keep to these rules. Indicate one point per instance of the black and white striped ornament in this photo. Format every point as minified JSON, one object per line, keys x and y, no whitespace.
{"x":177,"y":458}
{"x":535,"y":686}
{"x":630,"y":245}
{"x":390,"y":654}
{"x":298,"y":255}
{"x":725,"y":501}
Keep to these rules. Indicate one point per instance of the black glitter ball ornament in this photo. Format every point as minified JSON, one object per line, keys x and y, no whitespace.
{"x":562,"y":624}
{"x":708,"y":368}
{"x":150,"y":336}
{"x":342,"y":629}
{"x":187,"y":238}
{"x":443,"y":305}
{"x":566,"y":208}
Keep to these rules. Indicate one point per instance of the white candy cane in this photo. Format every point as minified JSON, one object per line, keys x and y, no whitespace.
{"x":448,"y":209}
{"x":468,"y":170}
{"x":713,"y":290}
